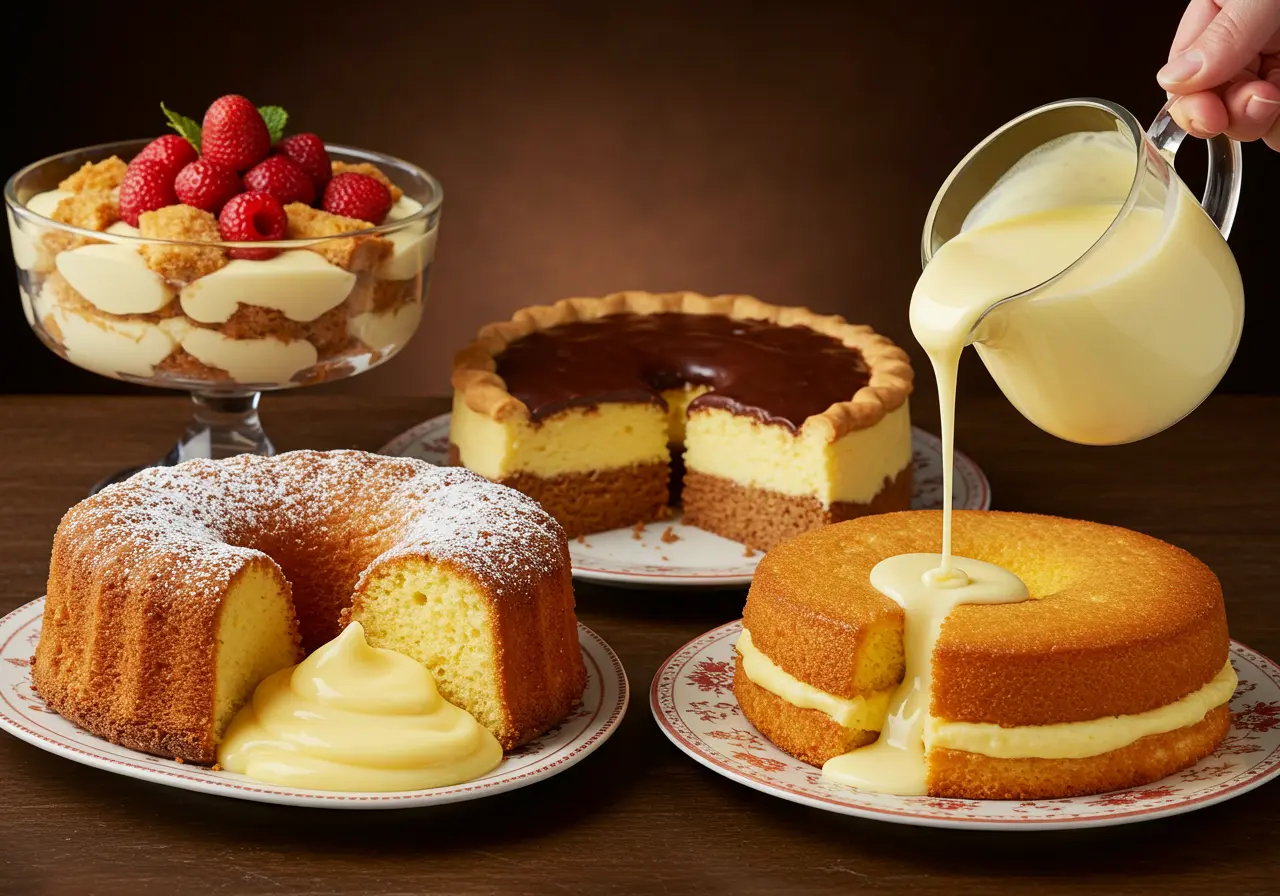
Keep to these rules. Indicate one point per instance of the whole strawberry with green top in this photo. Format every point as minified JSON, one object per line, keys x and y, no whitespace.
{"x":234,"y":133}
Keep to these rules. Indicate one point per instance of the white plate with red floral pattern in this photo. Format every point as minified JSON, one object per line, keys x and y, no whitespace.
{"x":693,"y":702}
{"x":671,"y":554}
{"x":23,"y":714}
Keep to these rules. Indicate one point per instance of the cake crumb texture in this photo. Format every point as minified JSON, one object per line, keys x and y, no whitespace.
{"x":96,"y":177}
{"x":92,"y":210}
{"x":356,"y":254}
{"x":762,"y":518}
{"x":181,"y":263}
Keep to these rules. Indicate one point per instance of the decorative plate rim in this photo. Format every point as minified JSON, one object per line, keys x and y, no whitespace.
{"x":602,"y":663}
{"x":661,"y":690}
{"x":965,"y":467}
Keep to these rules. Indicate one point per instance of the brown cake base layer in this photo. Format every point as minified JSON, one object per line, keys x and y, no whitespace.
{"x":815,"y":737}
{"x":761,"y":518}
{"x":584,"y":503}
{"x":807,"y":734}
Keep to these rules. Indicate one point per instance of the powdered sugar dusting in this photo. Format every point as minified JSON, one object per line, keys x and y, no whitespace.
{"x":207,"y":518}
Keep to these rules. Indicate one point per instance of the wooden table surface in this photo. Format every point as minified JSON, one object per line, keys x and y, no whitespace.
{"x":637,"y":816}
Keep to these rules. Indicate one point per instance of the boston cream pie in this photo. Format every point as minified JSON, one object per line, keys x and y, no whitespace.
{"x":1112,"y":674}
{"x":765,"y":421}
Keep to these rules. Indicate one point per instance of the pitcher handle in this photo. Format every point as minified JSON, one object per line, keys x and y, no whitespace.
{"x":1222,"y":183}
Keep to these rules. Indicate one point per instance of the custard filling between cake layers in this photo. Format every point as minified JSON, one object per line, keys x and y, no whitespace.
{"x":1066,"y":740}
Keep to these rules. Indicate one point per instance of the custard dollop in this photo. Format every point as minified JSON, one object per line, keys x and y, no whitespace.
{"x":352,"y":717}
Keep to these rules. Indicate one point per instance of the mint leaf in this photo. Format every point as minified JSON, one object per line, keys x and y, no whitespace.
{"x":185,"y":126}
{"x":276,"y":118}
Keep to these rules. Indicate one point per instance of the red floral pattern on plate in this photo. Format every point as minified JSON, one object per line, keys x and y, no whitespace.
{"x":1247,"y":757}
{"x":714,"y":676}
{"x":699,"y":558}
{"x":24,"y":715}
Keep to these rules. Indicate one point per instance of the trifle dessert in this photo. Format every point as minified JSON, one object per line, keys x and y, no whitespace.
{"x":226,"y":258}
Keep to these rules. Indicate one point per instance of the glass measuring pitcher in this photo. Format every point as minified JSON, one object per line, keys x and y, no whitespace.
{"x":1131,"y":334}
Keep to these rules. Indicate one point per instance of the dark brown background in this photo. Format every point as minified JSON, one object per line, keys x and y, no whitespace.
{"x":789,"y":150}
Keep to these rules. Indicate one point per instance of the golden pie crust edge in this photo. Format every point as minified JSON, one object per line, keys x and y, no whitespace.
{"x":475,"y":368}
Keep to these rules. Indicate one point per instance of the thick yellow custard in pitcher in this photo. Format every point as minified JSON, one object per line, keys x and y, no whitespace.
{"x":1129,"y":339}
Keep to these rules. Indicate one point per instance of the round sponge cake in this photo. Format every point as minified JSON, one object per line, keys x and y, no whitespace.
{"x":1123,"y":632}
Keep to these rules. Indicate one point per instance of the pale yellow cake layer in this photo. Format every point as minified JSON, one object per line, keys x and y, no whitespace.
{"x":606,"y":437}
{"x":853,"y":468}
{"x":1067,"y":740}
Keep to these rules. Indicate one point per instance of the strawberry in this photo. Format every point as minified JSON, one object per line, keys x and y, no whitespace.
{"x":283,"y":179}
{"x":207,"y":185}
{"x":171,"y":151}
{"x":147,"y":186}
{"x":308,"y":153}
{"x":251,"y":217}
{"x":234,"y":133}
{"x":357,"y":196}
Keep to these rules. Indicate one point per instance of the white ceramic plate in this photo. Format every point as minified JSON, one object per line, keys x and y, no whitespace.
{"x":23,"y":714}
{"x":692,"y":699}
{"x":698,"y":558}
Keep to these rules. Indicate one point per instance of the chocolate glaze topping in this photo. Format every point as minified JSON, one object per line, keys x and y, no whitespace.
{"x":779,"y":375}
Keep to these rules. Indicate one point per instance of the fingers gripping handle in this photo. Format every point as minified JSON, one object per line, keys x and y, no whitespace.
{"x":1222,"y":184}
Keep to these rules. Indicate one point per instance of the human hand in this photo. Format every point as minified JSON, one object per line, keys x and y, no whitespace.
{"x":1224,"y":69}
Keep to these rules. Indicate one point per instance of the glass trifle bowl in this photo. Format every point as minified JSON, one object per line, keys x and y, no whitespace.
{"x":163,"y":304}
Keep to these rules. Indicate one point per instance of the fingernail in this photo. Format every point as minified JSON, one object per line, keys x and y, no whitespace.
{"x":1181,"y":68}
{"x":1261,"y":109}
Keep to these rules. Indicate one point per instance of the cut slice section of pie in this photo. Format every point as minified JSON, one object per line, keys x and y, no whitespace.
{"x":763,"y":421}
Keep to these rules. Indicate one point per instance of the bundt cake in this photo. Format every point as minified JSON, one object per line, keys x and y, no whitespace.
{"x":1114,"y":673}
{"x":173,"y":594}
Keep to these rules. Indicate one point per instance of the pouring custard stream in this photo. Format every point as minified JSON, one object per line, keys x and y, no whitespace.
{"x":1080,"y":357}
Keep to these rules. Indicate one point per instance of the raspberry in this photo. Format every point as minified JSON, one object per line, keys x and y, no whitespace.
{"x":147,"y":186}
{"x":251,"y":217}
{"x":207,"y":185}
{"x":234,"y":133}
{"x":283,"y":179}
{"x":171,"y":151}
{"x":308,"y":153}
{"x":357,"y":196}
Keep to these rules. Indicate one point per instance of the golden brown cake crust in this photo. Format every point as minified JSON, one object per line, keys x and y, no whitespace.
{"x":138,"y":572}
{"x":1122,"y":623}
{"x":475,"y":369}
{"x":807,"y":734}
{"x":762,"y":519}
{"x":956,"y":773}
